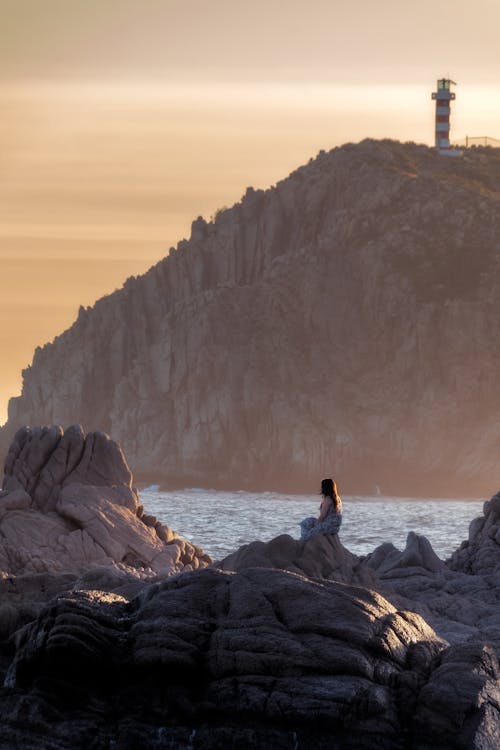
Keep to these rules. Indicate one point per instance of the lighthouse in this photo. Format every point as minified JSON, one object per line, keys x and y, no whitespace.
{"x":443,"y":97}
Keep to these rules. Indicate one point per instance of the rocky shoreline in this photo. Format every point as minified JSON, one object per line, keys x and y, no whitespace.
{"x":117,"y":633}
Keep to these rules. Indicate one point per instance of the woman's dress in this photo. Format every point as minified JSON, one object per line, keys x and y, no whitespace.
{"x":330,"y":525}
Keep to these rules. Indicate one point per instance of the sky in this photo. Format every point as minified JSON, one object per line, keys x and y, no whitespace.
{"x":123,"y":120}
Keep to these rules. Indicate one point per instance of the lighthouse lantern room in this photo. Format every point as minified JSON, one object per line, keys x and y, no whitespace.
{"x":443,"y":97}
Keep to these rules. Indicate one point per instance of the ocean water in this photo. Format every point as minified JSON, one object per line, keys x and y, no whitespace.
{"x":220,"y":522}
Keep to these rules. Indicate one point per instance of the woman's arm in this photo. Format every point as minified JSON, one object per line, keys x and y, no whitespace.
{"x":324,"y":509}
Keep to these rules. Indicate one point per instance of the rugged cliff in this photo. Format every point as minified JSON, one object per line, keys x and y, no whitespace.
{"x":343,"y":322}
{"x":116,"y":633}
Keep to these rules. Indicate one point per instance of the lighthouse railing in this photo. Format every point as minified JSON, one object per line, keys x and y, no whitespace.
{"x":481,"y":140}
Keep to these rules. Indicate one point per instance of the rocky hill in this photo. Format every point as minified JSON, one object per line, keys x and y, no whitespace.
{"x":344,"y":322}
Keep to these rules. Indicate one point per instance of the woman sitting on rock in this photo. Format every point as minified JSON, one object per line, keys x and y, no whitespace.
{"x":330,"y":513}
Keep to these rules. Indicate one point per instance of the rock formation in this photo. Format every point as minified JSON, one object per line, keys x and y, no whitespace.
{"x":320,"y":557}
{"x":255,"y":659}
{"x":68,"y":505}
{"x":343,"y":321}
{"x":459,"y":598}
{"x":480,"y":553}
{"x":286,"y":644}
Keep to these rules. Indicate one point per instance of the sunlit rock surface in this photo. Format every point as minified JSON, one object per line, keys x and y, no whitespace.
{"x":345,"y":318}
{"x":68,"y":505}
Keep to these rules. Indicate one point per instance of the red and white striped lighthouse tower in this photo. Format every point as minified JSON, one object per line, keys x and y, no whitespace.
{"x":443,"y":97}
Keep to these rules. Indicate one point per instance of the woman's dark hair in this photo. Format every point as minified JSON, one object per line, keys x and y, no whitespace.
{"x":329,"y":489}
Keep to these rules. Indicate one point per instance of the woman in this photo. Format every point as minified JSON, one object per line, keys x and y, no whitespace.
{"x":330,"y":513}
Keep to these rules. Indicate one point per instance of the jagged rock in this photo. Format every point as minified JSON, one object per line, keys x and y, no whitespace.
{"x":68,"y":505}
{"x":458,"y":606}
{"x":322,"y":556}
{"x":418,"y":554}
{"x":266,"y":657}
{"x":481,"y":552}
{"x":41,"y":460}
{"x":355,"y":299}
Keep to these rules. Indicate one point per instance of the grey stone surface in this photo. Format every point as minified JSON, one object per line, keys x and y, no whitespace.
{"x":262,"y":657}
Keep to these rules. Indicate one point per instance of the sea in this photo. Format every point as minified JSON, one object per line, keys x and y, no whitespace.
{"x":220,"y":522}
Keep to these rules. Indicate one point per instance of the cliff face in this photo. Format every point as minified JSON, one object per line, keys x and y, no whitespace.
{"x":344,"y":322}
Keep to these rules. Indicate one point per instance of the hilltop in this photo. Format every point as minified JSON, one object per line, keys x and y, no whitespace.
{"x":343,"y":322}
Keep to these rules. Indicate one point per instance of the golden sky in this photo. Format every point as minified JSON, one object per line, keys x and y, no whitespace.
{"x":122,"y":120}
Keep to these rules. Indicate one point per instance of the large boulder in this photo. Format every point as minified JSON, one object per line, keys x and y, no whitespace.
{"x":256,"y":659}
{"x":68,"y":505}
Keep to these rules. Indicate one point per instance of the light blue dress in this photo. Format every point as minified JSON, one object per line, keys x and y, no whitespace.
{"x":311,"y":526}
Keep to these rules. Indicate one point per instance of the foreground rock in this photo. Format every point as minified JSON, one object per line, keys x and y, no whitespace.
{"x":255,"y":659}
{"x":68,"y":505}
{"x":285,"y":644}
{"x":458,"y":605}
